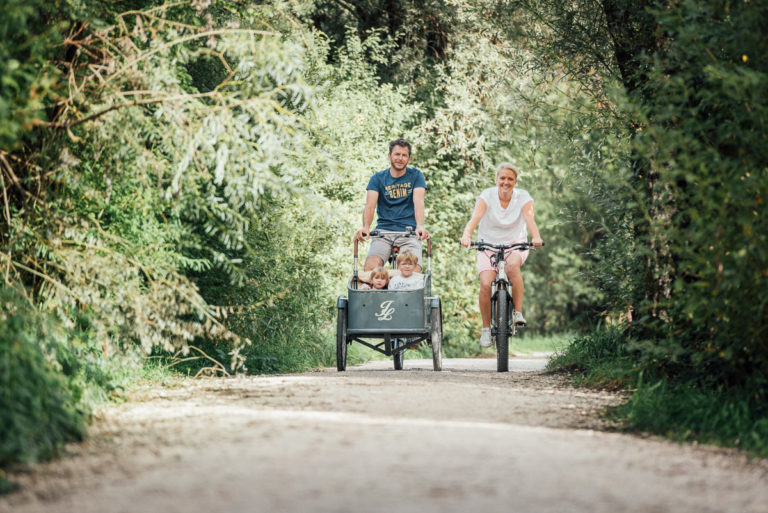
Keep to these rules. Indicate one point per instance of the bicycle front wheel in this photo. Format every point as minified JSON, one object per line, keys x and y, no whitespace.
{"x":502,"y":331}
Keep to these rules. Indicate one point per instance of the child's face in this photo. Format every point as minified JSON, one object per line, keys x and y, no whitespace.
{"x":406,"y":269}
{"x":379,"y":282}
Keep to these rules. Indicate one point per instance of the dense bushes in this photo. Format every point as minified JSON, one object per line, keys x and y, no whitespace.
{"x":123,"y":180}
{"x":712,"y":179}
{"x":40,"y":406}
{"x":282,"y":305}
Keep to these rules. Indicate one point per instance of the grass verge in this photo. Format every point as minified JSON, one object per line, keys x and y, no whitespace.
{"x":683,"y":408}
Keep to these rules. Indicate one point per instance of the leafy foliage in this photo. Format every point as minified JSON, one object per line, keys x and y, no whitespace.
{"x":688,"y":247}
{"x":38,"y":405}
{"x":711,"y":161}
{"x":134,"y":179}
{"x":30,"y":81}
{"x":130,"y":213}
{"x":283,"y":298}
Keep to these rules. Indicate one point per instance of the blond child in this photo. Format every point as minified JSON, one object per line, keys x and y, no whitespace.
{"x":408,"y":278}
{"x":379,"y":279}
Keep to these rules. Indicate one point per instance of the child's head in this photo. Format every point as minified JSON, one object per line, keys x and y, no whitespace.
{"x":407,"y":262}
{"x":379,"y":278}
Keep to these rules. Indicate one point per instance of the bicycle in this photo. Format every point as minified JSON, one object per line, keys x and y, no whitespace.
{"x":502,"y":304}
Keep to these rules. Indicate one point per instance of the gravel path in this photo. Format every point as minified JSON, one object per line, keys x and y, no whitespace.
{"x":376,"y":440}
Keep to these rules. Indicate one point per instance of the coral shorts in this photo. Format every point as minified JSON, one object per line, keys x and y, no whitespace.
{"x":484,"y":258}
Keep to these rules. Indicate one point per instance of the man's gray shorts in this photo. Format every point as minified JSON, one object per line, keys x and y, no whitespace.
{"x":382,"y":246}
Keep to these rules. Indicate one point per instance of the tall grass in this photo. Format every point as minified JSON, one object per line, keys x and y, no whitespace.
{"x":687,"y":411}
{"x":678,"y":406}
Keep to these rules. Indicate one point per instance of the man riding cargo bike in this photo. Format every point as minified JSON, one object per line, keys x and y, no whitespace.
{"x":408,"y":313}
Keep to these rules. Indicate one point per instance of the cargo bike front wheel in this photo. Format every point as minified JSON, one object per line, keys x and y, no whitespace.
{"x":398,"y":356}
{"x":341,"y":339}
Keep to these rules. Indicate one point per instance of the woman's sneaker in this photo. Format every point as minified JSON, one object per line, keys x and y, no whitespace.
{"x":518,"y":319}
{"x":485,"y":338}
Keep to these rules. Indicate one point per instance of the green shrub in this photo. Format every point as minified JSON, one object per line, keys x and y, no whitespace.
{"x":284,"y":304}
{"x":603,"y":357}
{"x":690,"y":411}
{"x":39,"y":409}
{"x":664,"y":401}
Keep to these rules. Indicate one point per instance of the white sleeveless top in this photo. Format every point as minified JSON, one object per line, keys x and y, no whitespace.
{"x":503,"y":225}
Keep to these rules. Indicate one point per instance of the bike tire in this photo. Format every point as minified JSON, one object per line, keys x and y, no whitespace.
{"x":502,"y":331}
{"x":341,"y":340}
{"x":398,"y":356}
{"x":436,"y":336}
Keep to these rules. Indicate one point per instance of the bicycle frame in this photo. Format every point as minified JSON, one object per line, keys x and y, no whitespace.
{"x":500,"y":283}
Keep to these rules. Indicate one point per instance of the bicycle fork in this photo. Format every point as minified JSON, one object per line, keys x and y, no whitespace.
{"x":495,"y":309}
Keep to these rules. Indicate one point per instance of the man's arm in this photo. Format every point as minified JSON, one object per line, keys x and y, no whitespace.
{"x":531,"y":223}
{"x":371,"y":198}
{"x":418,"y":210}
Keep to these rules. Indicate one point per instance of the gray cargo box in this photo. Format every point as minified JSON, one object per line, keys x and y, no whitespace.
{"x":396,"y":312}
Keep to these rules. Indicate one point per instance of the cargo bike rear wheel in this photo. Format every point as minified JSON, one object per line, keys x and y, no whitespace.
{"x":436,"y":335}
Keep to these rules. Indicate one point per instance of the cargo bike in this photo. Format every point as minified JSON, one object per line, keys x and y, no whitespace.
{"x":390,"y":321}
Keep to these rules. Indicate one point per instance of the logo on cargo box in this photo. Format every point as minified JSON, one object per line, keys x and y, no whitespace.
{"x":386,"y":311}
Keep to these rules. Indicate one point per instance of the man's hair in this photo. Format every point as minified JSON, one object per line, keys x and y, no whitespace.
{"x":399,"y":142}
{"x":407,"y":257}
{"x":379,"y":272}
{"x":507,"y":165}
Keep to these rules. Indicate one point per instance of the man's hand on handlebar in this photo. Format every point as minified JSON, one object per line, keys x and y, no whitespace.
{"x":362,"y":234}
{"x":422,"y":233}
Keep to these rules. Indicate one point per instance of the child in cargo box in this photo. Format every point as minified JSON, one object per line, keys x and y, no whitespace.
{"x":379,"y":279}
{"x":408,"y":279}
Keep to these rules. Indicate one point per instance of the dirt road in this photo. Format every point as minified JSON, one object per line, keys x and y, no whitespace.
{"x":377,"y":440}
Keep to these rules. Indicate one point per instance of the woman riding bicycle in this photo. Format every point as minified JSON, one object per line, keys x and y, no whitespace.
{"x":504,"y":215}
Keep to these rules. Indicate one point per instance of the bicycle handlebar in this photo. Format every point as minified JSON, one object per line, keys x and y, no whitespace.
{"x":482,"y":245}
{"x":409,"y":232}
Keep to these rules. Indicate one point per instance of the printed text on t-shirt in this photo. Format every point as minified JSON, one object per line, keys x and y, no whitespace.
{"x":398,"y":190}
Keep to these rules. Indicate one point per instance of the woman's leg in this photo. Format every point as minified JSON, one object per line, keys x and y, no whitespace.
{"x":486,"y":280}
{"x":515,"y":277}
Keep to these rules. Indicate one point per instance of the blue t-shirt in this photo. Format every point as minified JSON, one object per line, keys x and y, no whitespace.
{"x":395,"y":204}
